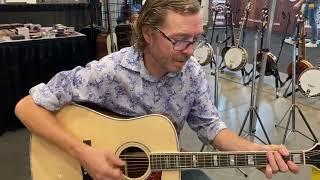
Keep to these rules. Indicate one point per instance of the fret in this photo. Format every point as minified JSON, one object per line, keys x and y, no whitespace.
{"x":177,"y":161}
{"x":241,"y":160}
{"x":167,"y":163}
{"x":162,"y":164}
{"x":152,"y":164}
{"x":189,"y":160}
{"x":223,"y":160}
{"x":203,"y":160}
{"x":261,"y":159}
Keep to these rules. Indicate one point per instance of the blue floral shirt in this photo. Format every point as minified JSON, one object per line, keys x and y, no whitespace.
{"x":121,"y":83}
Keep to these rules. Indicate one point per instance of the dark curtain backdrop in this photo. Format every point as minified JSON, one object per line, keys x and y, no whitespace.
{"x":28,"y":63}
{"x":75,"y":15}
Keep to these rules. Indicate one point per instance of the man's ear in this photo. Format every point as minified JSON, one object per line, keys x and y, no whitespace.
{"x":147,"y":33}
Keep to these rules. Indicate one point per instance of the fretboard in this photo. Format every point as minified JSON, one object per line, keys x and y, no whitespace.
{"x":167,"y":161}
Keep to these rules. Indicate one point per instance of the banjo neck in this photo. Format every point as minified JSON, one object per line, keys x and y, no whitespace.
{"x":243,"y":24}
{"x":302,"y":41}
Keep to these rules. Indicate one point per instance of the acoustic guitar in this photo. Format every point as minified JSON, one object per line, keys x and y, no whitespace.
{"x":302,"y":63}
{"x":148,"y":144}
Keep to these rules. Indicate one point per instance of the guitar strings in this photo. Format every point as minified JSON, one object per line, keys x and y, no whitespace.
{"x":143,"y":160}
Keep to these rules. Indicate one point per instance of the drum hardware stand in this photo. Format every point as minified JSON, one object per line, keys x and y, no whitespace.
{"x":253,"y":109}
{"x":294,"y":106}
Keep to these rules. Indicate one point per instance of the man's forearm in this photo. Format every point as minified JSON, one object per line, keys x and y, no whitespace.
{"x":227,"y":140}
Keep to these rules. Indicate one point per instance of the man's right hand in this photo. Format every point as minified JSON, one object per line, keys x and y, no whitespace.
{"x":101,"y":165}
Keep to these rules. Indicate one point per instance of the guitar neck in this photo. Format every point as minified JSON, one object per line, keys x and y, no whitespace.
{"x":206,"y":160}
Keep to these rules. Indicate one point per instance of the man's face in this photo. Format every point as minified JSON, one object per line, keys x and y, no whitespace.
{"x":177,"y":27}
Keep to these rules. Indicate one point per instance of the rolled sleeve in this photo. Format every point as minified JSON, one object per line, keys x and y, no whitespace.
{"x":79,"y":84}
{"x":43,"y":97}
{"x":204,"y":117}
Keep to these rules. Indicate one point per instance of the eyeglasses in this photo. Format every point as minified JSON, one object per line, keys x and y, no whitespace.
{"x":180,"y":45}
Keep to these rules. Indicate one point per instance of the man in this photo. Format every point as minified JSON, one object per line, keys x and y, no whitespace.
{"x":157,"y":75}
{"x":310,"y":11}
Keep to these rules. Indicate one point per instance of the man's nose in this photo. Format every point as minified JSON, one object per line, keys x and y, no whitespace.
{"x":189,"y":50}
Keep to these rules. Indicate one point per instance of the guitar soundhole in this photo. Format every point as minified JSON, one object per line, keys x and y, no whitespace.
{"x":137,"y":162}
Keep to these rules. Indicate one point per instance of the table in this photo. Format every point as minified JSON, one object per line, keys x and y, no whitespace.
{"x":24,"y":64}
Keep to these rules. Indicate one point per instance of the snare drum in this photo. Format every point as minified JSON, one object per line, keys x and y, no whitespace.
{"x":236,"y":58}
{"x":309,"y":82}
{"x":204,"y":54}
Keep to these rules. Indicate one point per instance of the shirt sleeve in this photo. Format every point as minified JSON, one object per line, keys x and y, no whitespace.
{"x":204,"y":117}
{"x":78,"y":84}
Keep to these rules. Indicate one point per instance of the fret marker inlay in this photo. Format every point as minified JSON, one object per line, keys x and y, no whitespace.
{"x":296,"y":158}
{"x":215,"y":160}
{"x":177,"y":161}
{"x":231,"y":158}
{"x":194,"y":161}
{"x":250,"y":160}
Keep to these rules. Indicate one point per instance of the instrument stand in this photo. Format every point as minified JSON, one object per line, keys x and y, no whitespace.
{"x":276,"y":78}
{"x":253,"y":109}
{"x":286,"y":94}
{"x":216,"y":78}
{"x":294,"y":106}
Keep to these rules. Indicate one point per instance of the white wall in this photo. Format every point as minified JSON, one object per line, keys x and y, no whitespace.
{"x":28,"y":1}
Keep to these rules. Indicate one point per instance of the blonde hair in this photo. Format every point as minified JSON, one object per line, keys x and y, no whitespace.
{"x":154,"y":12}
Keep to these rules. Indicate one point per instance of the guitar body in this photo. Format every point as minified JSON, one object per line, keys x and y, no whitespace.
{"x":301,"y":66}
{"x":50,"y":163}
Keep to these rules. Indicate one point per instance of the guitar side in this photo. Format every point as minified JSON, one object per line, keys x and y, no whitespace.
{"x":51,"y":163}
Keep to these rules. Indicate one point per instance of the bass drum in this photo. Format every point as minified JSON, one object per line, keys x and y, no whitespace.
{"x":204,"y":54}
{"x":236,"y":58}
{"x":309,"y":82}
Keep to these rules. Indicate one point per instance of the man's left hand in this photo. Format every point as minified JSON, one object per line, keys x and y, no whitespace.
{"x":275,"y":161}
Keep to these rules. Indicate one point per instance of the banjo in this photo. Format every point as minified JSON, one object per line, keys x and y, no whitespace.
{"x":236,"y":57}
